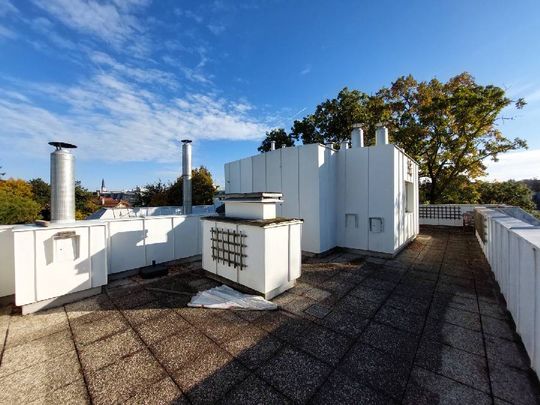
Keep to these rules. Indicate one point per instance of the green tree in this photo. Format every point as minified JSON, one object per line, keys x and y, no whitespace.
{"x":449,"y":128}
{"x":506,"y":192}
{"x":279,"y":136}
{"x":16,"y":202}
{"x":42,"y":195}
{"x":202,"y":188}
{"x":85,"y":202}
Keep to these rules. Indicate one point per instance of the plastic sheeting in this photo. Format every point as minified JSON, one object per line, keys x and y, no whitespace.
{"x":224,"y":297}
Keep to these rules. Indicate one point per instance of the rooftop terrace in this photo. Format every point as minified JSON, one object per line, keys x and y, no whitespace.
{"x":428,"y":326}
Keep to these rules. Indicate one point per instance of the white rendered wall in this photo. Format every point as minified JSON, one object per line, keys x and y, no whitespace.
{"x":512,"y":250}
{"x":7,"y":264}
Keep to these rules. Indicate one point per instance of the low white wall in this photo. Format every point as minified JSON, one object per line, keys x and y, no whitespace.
{"x":131,"y":243}
{"x":512,"y":248}
{"x":7,"y":265}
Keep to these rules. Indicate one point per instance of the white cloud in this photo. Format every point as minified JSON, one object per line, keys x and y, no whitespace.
{"x":306,"y":70}
{"x":7,"y":33}
{"x":515,"y":165}
{"x":115,"y":120}
{"x":6,"y":7}
{"x":113,"y":23}
{"x":216,"y":29}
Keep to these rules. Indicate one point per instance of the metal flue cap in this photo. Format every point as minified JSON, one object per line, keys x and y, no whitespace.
{"x":62,"y":145}
{"x":186,"y":141}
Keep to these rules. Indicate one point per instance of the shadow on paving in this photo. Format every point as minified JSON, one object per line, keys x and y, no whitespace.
{"x":425,"y":327}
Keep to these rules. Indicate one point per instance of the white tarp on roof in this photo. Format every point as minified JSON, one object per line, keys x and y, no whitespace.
{"x":224,"y":297}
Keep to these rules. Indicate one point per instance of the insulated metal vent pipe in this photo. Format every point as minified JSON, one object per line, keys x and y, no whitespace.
{"x":62,"y":183}
{"x":272,"y":145}
{"x":381,"y":136}
{"x":186,"y":175}
{"x":357,"y":136}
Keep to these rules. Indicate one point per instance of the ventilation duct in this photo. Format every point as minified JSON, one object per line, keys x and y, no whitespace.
{"x":272,"y":145}
{"x":186,"y":175}
{"x":62,"y":183}
{"x":357,"y":137}
{"x":381,"y":136}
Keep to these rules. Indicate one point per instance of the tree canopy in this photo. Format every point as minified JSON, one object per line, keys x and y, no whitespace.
{"x":17,"y":205}
{"x":279,"y":136}
{"x":450,"y":127}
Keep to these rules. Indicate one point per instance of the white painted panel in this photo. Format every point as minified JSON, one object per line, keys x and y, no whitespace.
{"x":7,"y":262}
{"x":289,"y":180}
{"x":295,"y":251}
{"x":258,"y":163}
{"x":234,"y":177}
{"x":207,"y":262}
{"x":126,"y":244}
{"x":24,"y":260}
{"x":252,"y":275}
{"x":227,"y":177}
{"x":98,"y":255}
{"x":246,"y":175}
{"x":187,"y":237}
{"x":159,"y":241}
{"x":224,"y":269}
{"x":273,"y":170}
{"x":276,"y":253}
{"x":308,"y":162}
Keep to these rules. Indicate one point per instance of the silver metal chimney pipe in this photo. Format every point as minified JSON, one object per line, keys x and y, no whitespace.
{"x":357,"y":136}
{"x":381,"y":135}
{"x":186,"y":175}
{"x":62,"y":183}
{"x":272,"y":145}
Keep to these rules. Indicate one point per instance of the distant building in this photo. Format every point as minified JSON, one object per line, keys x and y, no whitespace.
{"x":111,"y":198}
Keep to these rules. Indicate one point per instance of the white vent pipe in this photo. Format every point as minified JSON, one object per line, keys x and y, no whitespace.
{"x":186,"y":175}
{"x":381,"y":136}
{"x":345,"y":145}
{"x":272,"y":145}
{"x":62,"y":183}
{"x":357,"y":137}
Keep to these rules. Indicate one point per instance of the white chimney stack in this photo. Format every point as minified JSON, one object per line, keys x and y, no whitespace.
{"x":357,"y":137}
{"x":272,"y":145}
{"x":186,"y":175}
{"x":381,"y":136}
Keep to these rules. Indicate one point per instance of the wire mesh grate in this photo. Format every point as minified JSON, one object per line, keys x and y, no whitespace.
{"x":228,"y":247}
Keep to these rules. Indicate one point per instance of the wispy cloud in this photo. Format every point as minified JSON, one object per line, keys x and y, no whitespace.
{"x":6,"y":7}
{"x":115,"y":120}
{"x":6,"y":33}
{"x":306,"y":70}
{"x":216,"y":29}
{"x":515,"y":166}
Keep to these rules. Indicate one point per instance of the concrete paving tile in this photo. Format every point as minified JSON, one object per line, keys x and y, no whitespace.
{"x":464,"y":367}
{"x":340,"y":389}
{"x":221,"y":330}
{"x":409,"y":304}
{"x":427,"y":388}
{"x":208,"y":378}
{"x":40,"y":380}
{"x":36,"y":351}
{"x":461,"y":338}
{"x":281,"y":325}
{"x":318,"y":311}
{"x":494,"y":310}
{"x":407,"y":321}
{"x":284,"y":298}
{"x":344,"y":322}
{"x":357,"y":306}
{"x":163,"y":392}
{"x":381,"y":371}
{"x":87,"y":333}
{"x":253,"y":390}
{"x":253,"y":348}
{"x":498,"y":328}
{"x":512,"y":385}
{"x":390,"y":340}
{"x":196,"y":315}
{"x":109,"y":350}
{"x":323,"y":344}
{"x":464,"y":319}
{"x":158,"y":328}
{"x":317,"y":294}
{"x":125,"y":378}
{"x":26,"y":328}
{"x":145,"y":312}
{"x":294,"y":374}
{"x":177,"y":350}
{"x":74,"y":393}
{"x":135,"y":299}
{"x":250,"y":316}
{"x":90,"y":309}
{"x":298,"y":305}
{"x":415,"y":290}
{"x":369,"y":294}
{"x":511,"y":353}
{"x":378,"y":284}
{"x":455,"y":301}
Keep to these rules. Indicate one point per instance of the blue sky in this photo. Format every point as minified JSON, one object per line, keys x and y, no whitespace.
{"x":125,"y":79}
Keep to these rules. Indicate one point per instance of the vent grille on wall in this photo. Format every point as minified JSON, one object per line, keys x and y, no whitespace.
{"x":228,"y":247}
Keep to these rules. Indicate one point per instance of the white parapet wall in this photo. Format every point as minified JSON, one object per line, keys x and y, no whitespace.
{"x":512,"y":248}
{"x":38,"y":262}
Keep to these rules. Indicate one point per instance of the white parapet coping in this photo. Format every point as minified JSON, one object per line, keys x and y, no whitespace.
{"x":512,"y":248}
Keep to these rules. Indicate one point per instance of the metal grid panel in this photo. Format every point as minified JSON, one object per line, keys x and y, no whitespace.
{"x":228,"y":247}
{"x":440,"y":212}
